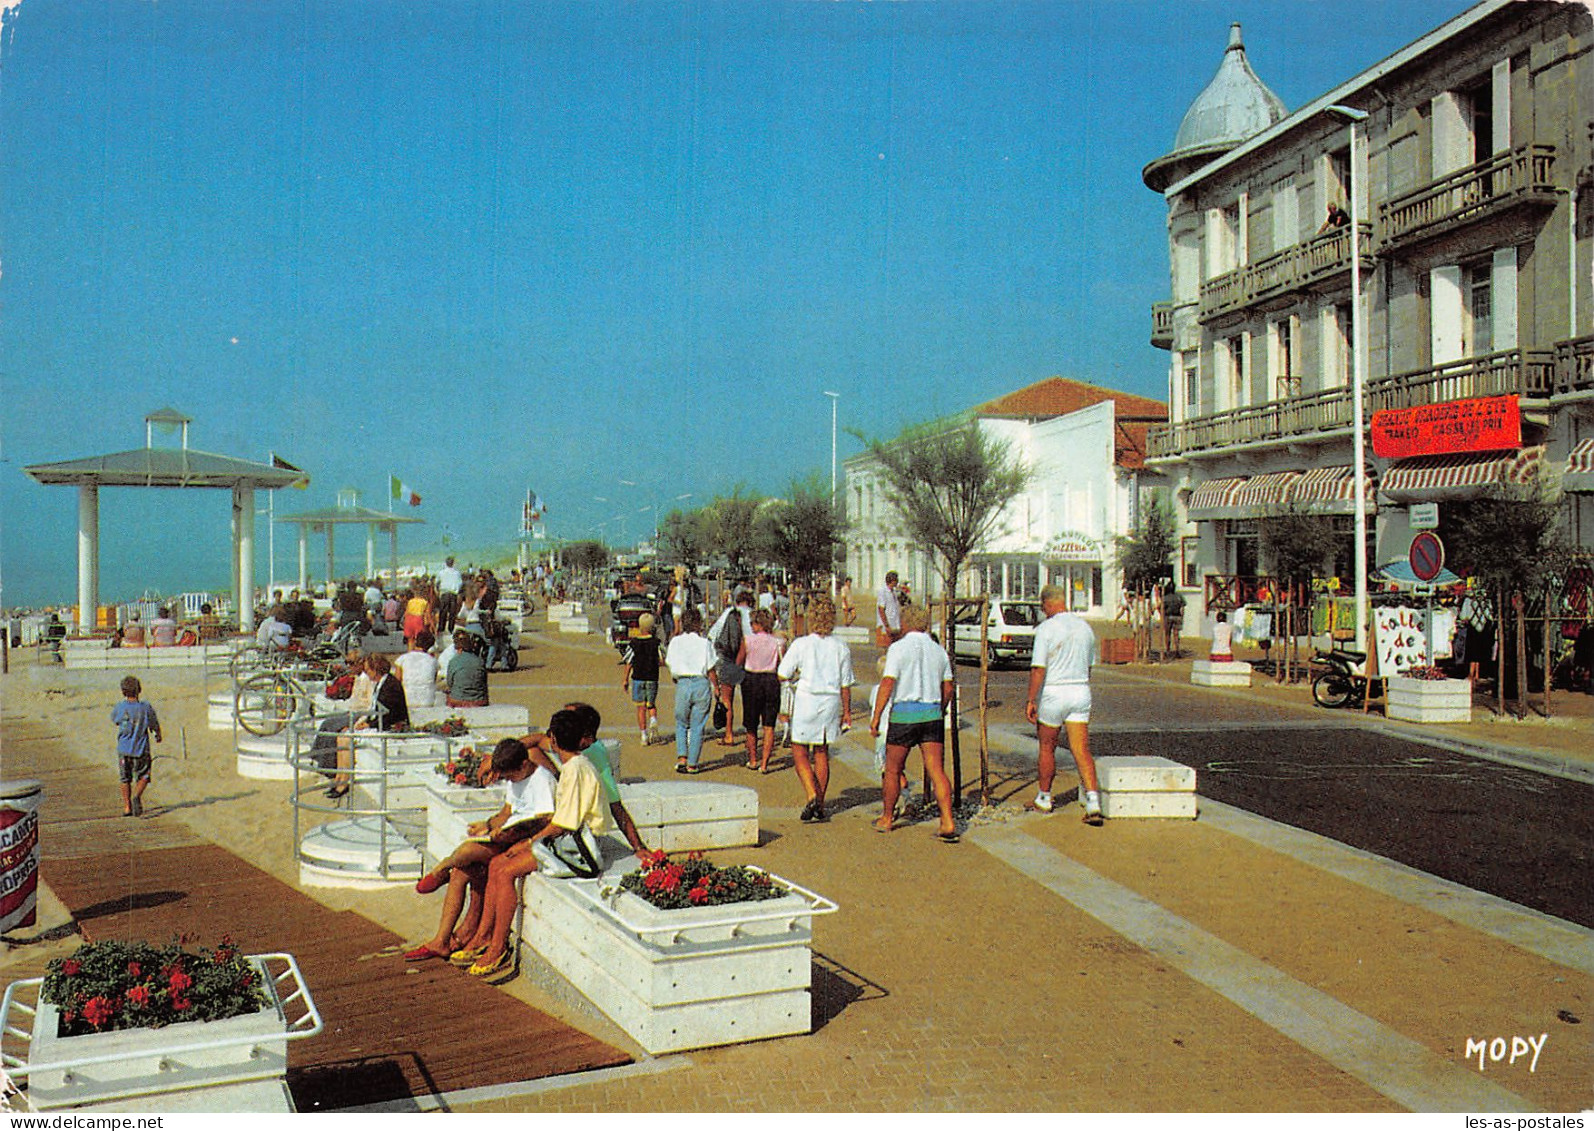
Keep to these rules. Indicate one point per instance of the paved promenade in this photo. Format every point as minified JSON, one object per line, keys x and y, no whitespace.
{"x":1226,"y":964}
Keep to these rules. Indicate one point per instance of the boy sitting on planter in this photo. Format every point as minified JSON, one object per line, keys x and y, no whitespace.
{"x":528,"y":801}
{"x":578,"y":804}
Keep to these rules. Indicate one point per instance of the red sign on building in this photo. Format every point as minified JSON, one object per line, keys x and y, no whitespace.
{"x":1482,"y":424}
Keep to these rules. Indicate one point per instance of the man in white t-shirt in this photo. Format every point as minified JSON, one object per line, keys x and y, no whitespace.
{"x":917,"y":685}
{"x":528,"y":803}
{"x":888,"y":610}
{"x":1059,"y":697}
{"x":450,"y":584}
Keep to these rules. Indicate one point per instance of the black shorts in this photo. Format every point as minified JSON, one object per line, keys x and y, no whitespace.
{"x":760,"y":699}
{"x":134,"y":767}
{"x":916,"y":734}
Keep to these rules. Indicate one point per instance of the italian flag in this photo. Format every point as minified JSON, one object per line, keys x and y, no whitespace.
{"x":399,"y":489}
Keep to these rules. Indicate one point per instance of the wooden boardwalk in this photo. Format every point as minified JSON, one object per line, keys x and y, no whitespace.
{"x":393,"y":1030}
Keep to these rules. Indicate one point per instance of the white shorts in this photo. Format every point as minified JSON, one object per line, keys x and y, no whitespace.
{"x":1064,"y":703}
{"x":815,"y":719}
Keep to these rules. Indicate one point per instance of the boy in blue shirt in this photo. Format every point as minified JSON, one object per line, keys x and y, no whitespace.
{"x":135,"y":721}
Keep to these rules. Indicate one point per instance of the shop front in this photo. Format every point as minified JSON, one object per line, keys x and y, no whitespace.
{"x":1072,"y":560}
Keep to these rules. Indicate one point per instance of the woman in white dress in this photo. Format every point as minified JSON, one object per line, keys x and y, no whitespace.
{"x":822,"y":705}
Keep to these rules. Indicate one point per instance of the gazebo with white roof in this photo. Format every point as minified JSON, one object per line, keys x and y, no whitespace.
{"x":348,"y":512}
{"x":150,"y":466}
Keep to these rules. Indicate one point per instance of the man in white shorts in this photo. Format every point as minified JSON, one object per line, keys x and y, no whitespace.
{"x":1059,"y":696}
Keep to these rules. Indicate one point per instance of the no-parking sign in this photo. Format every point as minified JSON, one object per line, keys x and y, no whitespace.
{"x":1427,"y":555}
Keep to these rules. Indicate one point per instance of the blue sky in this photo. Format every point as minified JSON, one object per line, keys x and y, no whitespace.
{"x":494,"y":245}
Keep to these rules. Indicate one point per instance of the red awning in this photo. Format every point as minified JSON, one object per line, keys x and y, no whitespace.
{"x":1328,"y":490}
{"x":1459,"y":476}
{"x":1260,"y":493}
{"x":1580,"y":467}
{"x":1215,"y":498}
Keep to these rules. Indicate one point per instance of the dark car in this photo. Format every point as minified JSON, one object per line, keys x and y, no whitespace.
{"x":627,"y":610}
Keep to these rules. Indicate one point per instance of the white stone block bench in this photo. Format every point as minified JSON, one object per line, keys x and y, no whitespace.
{"x":685,"y":979}
{"x":1220,"y":673}
{"x":1146,"y":786}
{"x":96,"y":654}
{"x":685,"y":816}
{"x":676,"y":816}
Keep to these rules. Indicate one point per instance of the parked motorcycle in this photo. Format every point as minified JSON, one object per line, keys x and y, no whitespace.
{"x":1340,"y":685}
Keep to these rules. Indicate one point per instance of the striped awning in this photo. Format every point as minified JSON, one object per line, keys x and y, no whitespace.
{"x":1261,"y":493}
{"x":1215,"y":498}
{"x":1462,"y":475}
{"x":1580,"y":467}
{"x":1327,"y":490}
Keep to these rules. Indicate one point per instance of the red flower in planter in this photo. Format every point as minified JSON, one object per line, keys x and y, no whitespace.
{"x":71,"y":966}
{"x":134,"y":970}
{"x":698,"y":895}
{"x":179,"y":982}
{"x":180,"y":1003}
{"x":98,"y":1010}
{"x":138,"y":996}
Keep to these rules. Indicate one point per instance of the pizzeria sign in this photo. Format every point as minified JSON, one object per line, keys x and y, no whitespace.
{"x":1479,"y":424}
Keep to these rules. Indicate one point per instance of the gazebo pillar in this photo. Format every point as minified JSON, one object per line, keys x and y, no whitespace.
{"x":304,"y":559}
{"x":244,"y":554}
{"x":370,"y":550}
{"x":392,"y":541}
{"x":331,"y":531}
{"x":232,"y":542}
{"x":88,"y":556}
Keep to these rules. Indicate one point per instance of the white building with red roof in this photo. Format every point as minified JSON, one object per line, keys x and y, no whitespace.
{"x":1086,"y":448}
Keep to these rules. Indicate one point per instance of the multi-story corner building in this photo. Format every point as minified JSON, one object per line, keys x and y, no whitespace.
{"x":1472,"y":176}
{"x":1085,"y":447}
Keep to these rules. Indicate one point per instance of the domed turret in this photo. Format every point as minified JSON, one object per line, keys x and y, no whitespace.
{"x":1236,"y":105}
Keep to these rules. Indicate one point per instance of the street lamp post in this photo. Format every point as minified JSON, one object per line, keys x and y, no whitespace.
{"x":835,"y":398}
{"x":1354,"y":117}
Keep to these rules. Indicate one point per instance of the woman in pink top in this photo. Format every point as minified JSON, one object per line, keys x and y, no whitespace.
{"x":760,"y":656}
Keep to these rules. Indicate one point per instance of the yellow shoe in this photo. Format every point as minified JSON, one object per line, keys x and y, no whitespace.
{"x":479,"y":970}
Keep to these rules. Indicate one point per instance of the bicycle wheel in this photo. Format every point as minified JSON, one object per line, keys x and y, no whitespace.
{"x":266,"y":702}
{"x":1332,"y":689}
{"x":246,"y":660}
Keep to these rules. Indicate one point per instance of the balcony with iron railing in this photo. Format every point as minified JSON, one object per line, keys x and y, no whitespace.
{"x":1574,"y":366}
{"x":1530,"y":374}
{"x":1162,"y":325}
{"x":1303,"y":266}
{"x":1520,"y":176}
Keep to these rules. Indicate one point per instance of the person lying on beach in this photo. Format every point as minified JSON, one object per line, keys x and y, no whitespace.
{"x":528,"y":802}
{"x":578,"y":805}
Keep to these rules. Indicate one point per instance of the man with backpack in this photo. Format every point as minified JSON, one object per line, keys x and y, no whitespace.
{"x":735,"y":624}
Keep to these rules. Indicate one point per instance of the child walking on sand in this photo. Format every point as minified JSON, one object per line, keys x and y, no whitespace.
{"x":135,"y":721}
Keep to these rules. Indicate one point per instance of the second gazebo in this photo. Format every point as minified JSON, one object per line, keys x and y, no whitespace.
{"x":348,"y":511}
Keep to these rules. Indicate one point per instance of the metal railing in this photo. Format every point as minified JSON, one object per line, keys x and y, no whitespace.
{"x":1522,"y":373}
{"x":289,"y":996}
{"x":376,"y":781}
{"x":1295,"y":268}
{"x":1525,"y":173}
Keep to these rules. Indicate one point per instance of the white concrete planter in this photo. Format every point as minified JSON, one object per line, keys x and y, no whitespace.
{"x":450,"y":809}
{"x":1220,"y":673}
{"x":177,"y":1061}
{"x":1429,"y":700}
{"x":683,"y":979}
